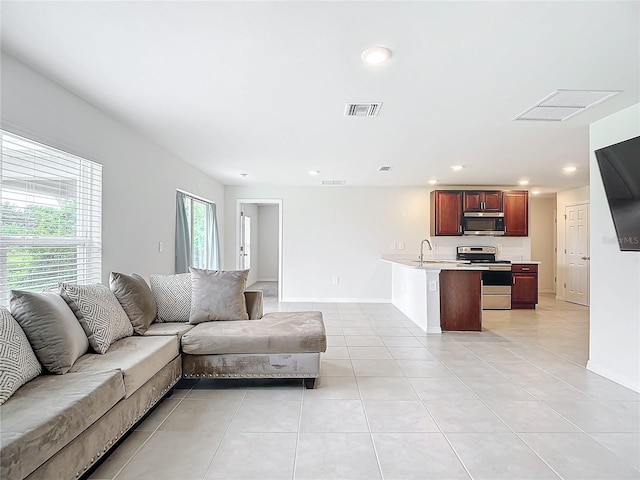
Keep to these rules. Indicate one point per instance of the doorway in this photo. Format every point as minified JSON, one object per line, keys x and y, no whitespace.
{"x":259,"y":245}
{"x":576,"y":254}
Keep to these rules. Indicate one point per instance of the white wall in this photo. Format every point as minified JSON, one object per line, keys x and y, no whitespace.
{"x":139,"y":177}
{"x":542,"y":228}
{"x":338,"y":232}
{"x":343,"y":231}
{"x":268,"y":237}
{"x":563,"y":200}
{"x":614,"y":348}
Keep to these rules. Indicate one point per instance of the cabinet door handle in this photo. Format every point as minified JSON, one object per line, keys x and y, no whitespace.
{"x":525,"y":268}
{"x":514,"y":280}
{"x":460,"y":228}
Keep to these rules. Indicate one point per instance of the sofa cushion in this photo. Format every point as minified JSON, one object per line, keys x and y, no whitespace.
{"x":218,"y":295}
{"x":139,"y":359}
{"x":50,"y":411}
{"x":136,"y":299}
{"x":18,"y":363}
{"x":99,"y":312}
{"x":168,"y":328}
{"x":173,"y":296}
{"x":282,"y":332}
{"x":56,"y":336}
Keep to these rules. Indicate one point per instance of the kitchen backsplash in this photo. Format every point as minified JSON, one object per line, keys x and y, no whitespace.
{"x":513,"y":249}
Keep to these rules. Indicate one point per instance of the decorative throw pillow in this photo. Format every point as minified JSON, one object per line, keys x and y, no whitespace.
{"x":18,"y":363}
{"x":218,"y":295}
{"x":56,"y":336}
{"x":173,"y":296}
{"x":99,"y":312}
{"x":136,"y":299}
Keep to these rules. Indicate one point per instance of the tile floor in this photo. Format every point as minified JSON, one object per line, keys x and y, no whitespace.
{"x":511,"y":402}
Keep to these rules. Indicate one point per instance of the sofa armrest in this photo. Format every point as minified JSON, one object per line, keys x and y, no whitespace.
{"x":254,"y":304}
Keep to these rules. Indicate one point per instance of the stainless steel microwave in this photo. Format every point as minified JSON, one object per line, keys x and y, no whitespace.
{"x":483,"y":223}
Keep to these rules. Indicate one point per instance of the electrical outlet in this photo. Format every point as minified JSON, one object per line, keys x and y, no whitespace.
{"x":433,"y":286}
{"x":160,"y":247}
{"x":499,"y":247}
{"x":400,"y":245}
{"x":392,"y":246}
{"x":336,"y":280}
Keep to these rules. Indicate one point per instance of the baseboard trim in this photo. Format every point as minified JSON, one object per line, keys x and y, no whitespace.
{"x":336,"y":300}
{"x":267,"y":280}
{"x":613,"y":376}
{"x":547,"y":290}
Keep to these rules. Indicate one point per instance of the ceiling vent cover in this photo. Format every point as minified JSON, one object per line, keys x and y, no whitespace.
{"x":563,"y":104}
{"x":362,"y":109}
{"x":332,"y":182}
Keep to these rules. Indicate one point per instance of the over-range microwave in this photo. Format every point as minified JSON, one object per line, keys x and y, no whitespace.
{"x":483,"y":223}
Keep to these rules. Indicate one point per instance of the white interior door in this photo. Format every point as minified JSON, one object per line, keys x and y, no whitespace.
{"x":576,"y":288}
{"x":245,"y":242}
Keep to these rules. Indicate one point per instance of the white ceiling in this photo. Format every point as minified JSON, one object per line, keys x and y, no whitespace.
{"x":260,"y":87}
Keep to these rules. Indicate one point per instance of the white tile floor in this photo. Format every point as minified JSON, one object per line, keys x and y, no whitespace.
{"x":511,"y":402}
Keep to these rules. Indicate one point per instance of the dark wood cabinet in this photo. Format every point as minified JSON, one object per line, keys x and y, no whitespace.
{"x":516,"y":213}
{"x":482,"y":201}
{"x":524,"y":285}
{"x":446,"y":212}
{"x":461,"y":300}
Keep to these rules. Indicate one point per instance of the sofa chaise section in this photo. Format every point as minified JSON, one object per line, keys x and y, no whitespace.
{"x":279,"y":345}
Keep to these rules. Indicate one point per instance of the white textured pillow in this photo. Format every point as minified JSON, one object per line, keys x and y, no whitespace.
{"x":18,"y":363}
{"x":99,"y":312}
{"x":173,"y":296}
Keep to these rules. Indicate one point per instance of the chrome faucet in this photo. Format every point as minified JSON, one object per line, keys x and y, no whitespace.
{"x":422,"y":248}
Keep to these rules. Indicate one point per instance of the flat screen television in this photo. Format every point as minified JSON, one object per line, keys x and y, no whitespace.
{"x":620,"y":170}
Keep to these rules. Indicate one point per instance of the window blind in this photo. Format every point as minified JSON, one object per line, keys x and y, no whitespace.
{"x":50,"y":219}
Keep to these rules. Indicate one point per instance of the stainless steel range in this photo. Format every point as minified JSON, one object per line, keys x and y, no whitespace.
{"x":496,"y":281}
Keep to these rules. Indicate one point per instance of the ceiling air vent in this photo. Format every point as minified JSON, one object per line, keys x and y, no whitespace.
{"x":362,"y":109}
{"x":332,"y":182}
{"x":384,"y":169}
{"x":563,"y":104}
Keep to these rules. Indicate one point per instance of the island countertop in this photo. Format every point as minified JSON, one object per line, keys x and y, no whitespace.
{"x":434,"y":264}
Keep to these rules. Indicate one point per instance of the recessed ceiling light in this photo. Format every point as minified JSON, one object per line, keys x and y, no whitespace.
{"x":569,"y":169}
{"x":523,"y":182}
{"x":244,"y":175}
{"x":433,"y":181}
{"x":535,"y":192}
{"x":457,"y":167}
{"x":314,"y":172}
{"x":376,"y":55}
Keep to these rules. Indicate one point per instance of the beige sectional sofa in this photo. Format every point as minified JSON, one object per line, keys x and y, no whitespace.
{"x":60,"y":425}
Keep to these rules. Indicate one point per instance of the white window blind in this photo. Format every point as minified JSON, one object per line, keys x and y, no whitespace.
{"x":50,"y":220}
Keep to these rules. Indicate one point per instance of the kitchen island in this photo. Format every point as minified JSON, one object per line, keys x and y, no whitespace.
{"x":416,"y":292}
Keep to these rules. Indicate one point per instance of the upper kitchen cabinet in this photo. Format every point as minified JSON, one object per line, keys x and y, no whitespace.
{"x":482,"y":201}
{"x":446,"y":212}
{"x":516,"y":213}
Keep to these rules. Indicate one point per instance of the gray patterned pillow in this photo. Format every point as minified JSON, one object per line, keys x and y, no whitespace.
{"x":99,"y":312}
{"x":18,"y":363}
{"x":173,"y":296}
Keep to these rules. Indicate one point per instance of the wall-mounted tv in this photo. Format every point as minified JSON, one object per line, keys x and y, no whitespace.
{"x":620,"y":170}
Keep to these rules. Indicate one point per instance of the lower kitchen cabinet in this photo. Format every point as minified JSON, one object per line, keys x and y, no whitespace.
{"x":524,"y":285}
{"x":461,"y":300}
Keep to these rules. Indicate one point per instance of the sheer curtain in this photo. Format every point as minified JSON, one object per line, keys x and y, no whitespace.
{"x":183,"y":233}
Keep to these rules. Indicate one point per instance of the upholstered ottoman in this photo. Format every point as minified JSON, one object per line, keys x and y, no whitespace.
{"x":278,"y":345}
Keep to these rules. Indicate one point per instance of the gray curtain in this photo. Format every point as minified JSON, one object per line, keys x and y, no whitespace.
{"x":212,"y":234}
{"x":183,"y":235}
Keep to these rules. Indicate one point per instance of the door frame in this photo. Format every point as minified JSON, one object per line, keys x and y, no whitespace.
{"x":564,"y":255}
{"x":260,"y":201}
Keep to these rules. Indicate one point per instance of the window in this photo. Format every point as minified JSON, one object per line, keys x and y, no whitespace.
{"x":50,"y":219}
{"x":196,"y":233}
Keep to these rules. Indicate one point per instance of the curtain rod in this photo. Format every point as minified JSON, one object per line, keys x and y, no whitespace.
{"x":197,"y":197}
